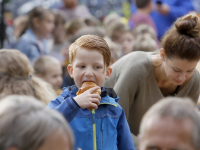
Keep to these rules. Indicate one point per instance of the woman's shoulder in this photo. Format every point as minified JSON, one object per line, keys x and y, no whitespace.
{"x":134,"y":62}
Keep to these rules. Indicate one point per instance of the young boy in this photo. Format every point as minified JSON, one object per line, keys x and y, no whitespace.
{"x":49,"y":69}
{"x":105,"y":127}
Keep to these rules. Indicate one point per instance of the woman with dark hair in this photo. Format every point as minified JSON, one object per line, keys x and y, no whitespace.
{"x":143,"y":78}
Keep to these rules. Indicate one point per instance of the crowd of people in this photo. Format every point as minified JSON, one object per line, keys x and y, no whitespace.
{"x":146,"y":68}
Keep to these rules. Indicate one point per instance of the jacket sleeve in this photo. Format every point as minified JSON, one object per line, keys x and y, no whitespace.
{"x":65,"y":105}
{"x":124,"y":138}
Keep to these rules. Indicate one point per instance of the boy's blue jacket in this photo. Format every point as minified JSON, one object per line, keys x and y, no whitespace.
{"x":108,"y":123}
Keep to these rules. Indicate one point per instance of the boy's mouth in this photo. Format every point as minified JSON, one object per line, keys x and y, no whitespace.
{"x":87,"y":81}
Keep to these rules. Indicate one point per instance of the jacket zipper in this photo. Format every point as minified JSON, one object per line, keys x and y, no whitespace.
{"x":94,"y":130}
{"x":102,"y":128}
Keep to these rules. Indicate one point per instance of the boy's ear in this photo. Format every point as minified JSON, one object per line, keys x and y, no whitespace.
{"x":108,"y":72}
{"x":70,"y":70}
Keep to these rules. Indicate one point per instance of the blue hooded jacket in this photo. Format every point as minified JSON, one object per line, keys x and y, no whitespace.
{"x":105,"y":128}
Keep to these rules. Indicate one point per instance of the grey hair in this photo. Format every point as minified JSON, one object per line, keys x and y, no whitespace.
{"x":178,"y":109}
{"x":26,"y":123}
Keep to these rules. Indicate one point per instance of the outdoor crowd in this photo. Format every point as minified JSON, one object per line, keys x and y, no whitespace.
{"x":146,"y":68}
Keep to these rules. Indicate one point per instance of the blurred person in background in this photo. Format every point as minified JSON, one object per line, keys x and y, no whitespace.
{"x":33,"y":42}
{"x":171,"y":123}
{"x":58,"y":40}
{"x":26,"y":124}
{"x":142,"y":16}
{"x":115,"y":50}
{"x":145,"y":43}
{"x":128,"y":39}
{"x":20,"y":24}
{"x":167,"y":11}
{"x":72,"y":10}
{"x":49,"y":69}
{"x":16,"y":77}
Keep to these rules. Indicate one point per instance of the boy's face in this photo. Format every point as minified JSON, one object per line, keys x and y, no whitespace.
{"x":88,"y":65}
{"x":54,"y":75}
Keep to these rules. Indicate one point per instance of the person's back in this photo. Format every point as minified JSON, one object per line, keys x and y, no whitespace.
{"x":103,"y":128}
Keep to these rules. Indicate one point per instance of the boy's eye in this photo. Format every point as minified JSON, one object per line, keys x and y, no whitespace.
{"x":81,"y":66}
{"x":97,"y":67}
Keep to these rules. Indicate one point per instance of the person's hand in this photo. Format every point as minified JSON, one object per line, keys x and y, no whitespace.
{"x":87,"y":99}
{"x":164,"y":9}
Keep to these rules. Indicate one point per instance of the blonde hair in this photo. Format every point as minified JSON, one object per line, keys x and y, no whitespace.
{"x":90,"y":42}
{"x":42,"y":63}
{"x":143,"y":29}
{"x":72,"y":26}
{"x":115,"y":49}
{"x":24,"y":118}
{"x":16,"y":77}
{"x":145,"y":43}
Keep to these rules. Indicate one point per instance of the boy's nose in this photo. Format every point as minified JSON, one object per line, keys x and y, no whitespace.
{"x":89,"y":73}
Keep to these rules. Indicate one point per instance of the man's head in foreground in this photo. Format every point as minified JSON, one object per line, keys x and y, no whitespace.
{"x":171,"y":124}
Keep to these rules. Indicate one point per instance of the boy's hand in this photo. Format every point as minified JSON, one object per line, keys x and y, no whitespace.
{"x":87,"y":99}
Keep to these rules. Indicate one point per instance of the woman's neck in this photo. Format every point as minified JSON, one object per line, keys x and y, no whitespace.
{"x":160,"y":74}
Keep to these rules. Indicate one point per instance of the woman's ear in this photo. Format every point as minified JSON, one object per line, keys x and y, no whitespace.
{"x":162,"y":54}
{"x":108,"y":72}
{"x":70,"y":70}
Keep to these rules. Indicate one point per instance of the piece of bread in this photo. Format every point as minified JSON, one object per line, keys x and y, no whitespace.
{"x":86,"y":86}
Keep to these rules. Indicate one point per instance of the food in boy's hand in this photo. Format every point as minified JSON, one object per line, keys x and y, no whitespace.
{"x":86,"y":86}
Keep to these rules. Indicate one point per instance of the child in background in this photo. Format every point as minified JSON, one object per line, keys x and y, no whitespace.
{"x":16,"y":77}
{"x":127,"y":41}
{"x":145,"y":43}
{"x":49,"y":69}
{"x":33,"y":42}
{"x":115,"y":29}
{"x":72,"y":26}
{"x":58,"y":41}
{"x":115,"y":50}
{"x":26,"y":124}
{"x":106,"y":126}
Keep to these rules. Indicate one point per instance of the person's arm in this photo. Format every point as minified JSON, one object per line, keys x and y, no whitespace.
{"x":181,"y":8}
{"x":124,"y":137}
{"x":67,"y":106}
